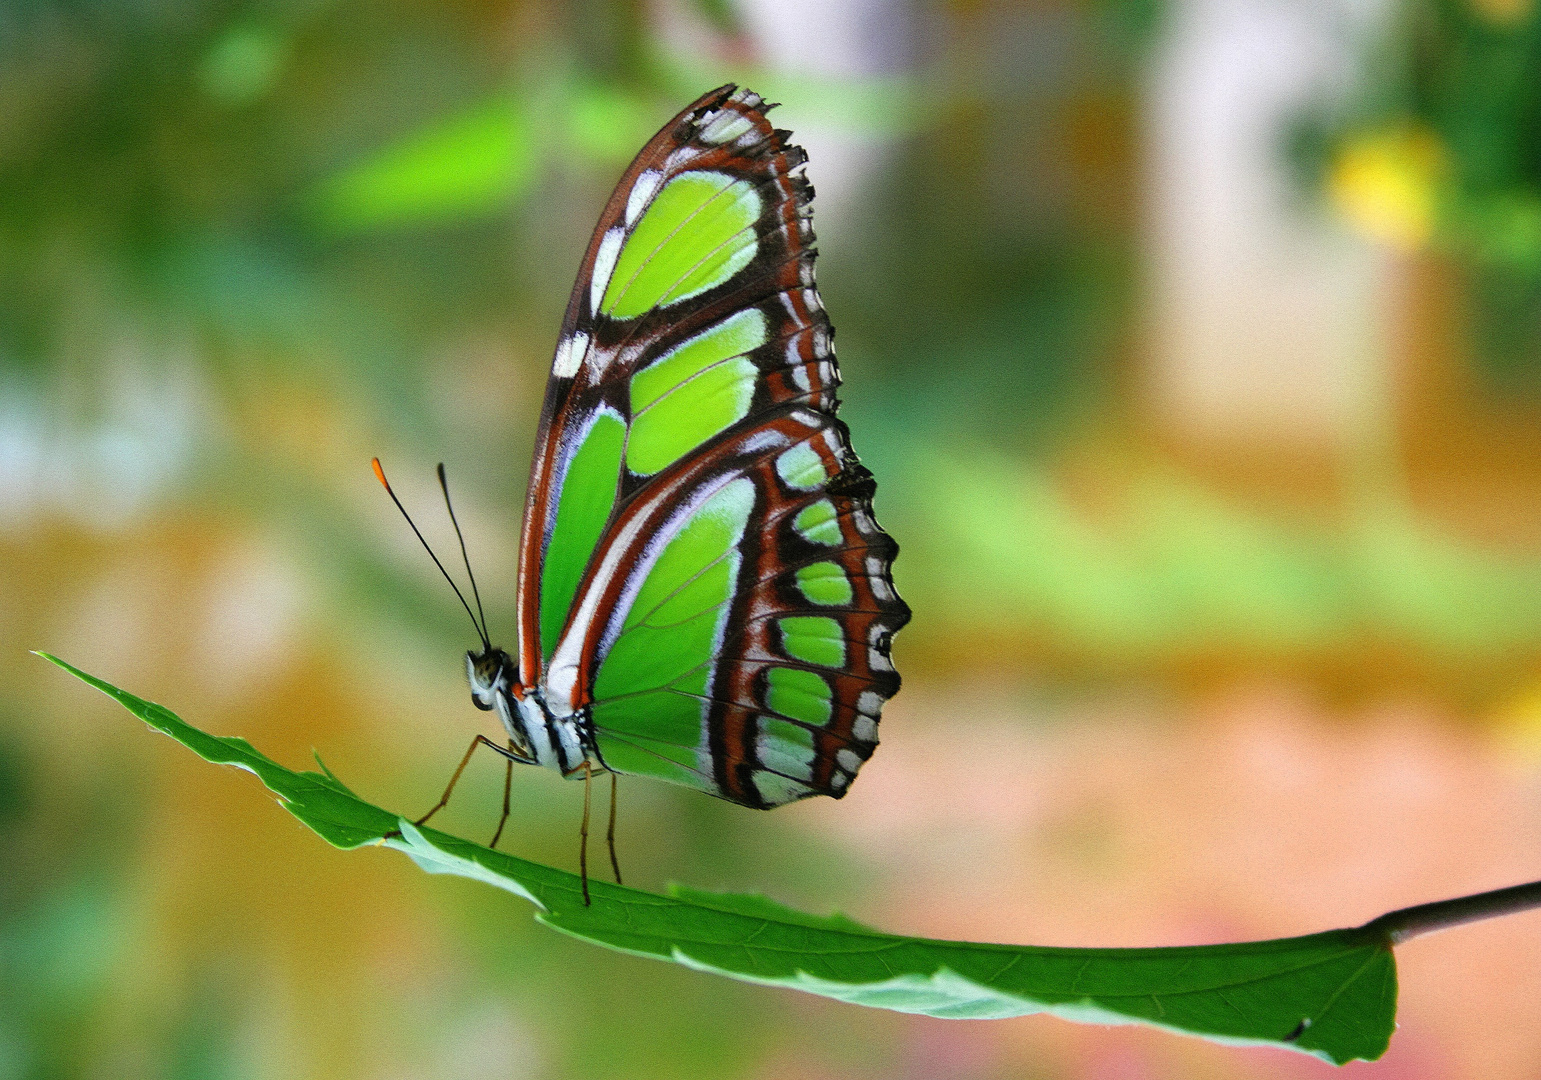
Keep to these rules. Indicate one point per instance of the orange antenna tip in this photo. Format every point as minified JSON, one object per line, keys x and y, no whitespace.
{"x":480,"y":626}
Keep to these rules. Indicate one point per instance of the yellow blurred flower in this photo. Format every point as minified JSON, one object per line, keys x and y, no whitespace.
{"x":1385,"y":184}
{"x":1504,"y":12}
{"x":1517,"y":726}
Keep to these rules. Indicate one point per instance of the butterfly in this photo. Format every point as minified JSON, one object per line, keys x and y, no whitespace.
{"x":704,"y":595}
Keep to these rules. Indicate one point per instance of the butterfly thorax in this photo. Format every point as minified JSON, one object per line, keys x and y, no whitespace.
{"x":536,"y":735}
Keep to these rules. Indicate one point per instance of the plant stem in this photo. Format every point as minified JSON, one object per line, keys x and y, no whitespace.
{"x":1408,"y":923}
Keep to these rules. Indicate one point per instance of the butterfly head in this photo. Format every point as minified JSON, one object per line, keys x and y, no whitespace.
{"x":494,"y":686}
{"x":490,"y":673}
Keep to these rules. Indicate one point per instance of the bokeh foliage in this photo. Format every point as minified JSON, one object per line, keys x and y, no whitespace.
{"x":1439,"y":146}
{"x":244,"y":246}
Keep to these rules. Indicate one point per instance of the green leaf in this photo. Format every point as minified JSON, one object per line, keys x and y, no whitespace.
{"x":1331,"y":994}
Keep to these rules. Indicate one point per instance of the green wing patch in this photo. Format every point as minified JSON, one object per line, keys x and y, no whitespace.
{"x":693,"y":392}
{"x":587,"y":497}
{"x":698,"y":232}
{"x":649,"y":693}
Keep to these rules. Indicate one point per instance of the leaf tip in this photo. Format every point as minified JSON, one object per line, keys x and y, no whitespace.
{"x":65,"y":664}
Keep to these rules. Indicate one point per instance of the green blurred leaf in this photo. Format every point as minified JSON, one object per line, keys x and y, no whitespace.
{"x":487,"y":157}
{"x":1164,"y":567}
{"x":885,"y":106}
{"x":1331,"y":994}
{"x":608,"y":124}
{"x":244,"y":63}
{"x":471,"y":163}
{"x":720,"y":15}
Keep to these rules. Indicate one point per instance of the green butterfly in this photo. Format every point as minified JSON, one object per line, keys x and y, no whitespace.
{"x":705,"y":596}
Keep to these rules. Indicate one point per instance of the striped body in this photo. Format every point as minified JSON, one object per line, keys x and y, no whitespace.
{"x":704,"y":594}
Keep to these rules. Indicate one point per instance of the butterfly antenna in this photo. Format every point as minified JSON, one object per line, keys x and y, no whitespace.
{"x":380,"y":476}
{"x":444,"y":486}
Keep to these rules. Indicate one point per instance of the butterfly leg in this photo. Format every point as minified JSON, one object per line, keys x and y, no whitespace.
{"x":614,"y":863}
{"x":508,"y":786}
{"x":453,"y":780}
{"x":583,"y":833}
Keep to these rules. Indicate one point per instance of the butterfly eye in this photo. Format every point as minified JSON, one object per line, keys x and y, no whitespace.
{"x":482,"y":673}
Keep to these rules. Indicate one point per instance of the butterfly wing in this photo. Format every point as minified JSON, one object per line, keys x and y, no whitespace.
{"x":699,"y":565}
{"x":733,"y":634}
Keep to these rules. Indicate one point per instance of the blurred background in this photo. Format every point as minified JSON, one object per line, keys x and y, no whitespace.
{"x":1196,"y":345}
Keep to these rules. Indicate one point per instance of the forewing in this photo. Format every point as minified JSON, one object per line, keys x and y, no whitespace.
{"x":694,"y":313}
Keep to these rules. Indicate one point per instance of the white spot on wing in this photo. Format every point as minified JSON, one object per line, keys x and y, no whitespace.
{"x":569,"y":355}
{"x":864,"y":729}
{"x":786,"y":759}
{"x":725,"y":126}
{"x":604,"y":266}
{"x":642,"y":193}
{"x":848,"y":760}
{"x":776,"y":790}
{"x":761,"y":440}
{"x":877,"y":577}
{"x":881,"y":589}
{"x":601,"y":359}
{"x":680,"y":159}
{"x":801,"y":467}
{"x":878,"y":662}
